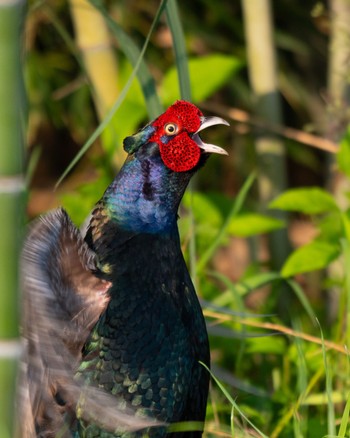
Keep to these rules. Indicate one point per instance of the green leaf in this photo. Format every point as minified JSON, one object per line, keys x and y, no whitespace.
{"x":316,"y":255}
{"x":207,"y":74}
{"x":311,"y":200}
{"x":332,"y":226}
{"x":343,"y":156}
{"x":249,"y":224}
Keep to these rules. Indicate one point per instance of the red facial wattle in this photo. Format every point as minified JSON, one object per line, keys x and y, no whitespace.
{"x":181,"y":153}
{"x":177,"y":136}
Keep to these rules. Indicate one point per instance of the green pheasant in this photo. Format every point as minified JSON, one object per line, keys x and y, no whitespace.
{"x":113,"y":328}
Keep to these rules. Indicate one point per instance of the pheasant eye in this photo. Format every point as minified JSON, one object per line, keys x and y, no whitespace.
{"x":171,"y":128}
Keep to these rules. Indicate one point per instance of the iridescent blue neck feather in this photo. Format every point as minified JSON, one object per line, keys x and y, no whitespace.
{"x":145,"y":195}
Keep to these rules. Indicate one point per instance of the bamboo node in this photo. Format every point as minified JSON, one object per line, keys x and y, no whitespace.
{"x":10,"y":349}
{"x":12,"y":183}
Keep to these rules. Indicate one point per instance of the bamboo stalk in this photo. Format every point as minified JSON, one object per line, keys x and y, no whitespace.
{"x":338,"y":120}
{"x":11,"y":200}
{"x":338,"y":68}
{"x":100,"y":63}
{"x":269,"y":148}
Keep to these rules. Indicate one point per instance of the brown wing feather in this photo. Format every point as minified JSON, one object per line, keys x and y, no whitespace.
{"x":62,"y":300}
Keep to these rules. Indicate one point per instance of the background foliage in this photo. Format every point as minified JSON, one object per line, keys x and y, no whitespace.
{"x":278,"y":331}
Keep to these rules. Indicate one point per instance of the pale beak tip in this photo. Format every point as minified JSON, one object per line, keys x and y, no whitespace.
{"x":205,"y":123}
{"x":211,"y":121}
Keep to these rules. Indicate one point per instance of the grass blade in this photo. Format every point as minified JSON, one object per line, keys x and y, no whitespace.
{"x":232,"y":421}
{"x":300,"y":415}
{"x":346,"y":252}
{"x":178,"y":38}
{"x":330,"y":404}
{"x":232,"y":401}
{"x":173,"y":18}
{"x":302,"y":298}
{"x":345,"y":419}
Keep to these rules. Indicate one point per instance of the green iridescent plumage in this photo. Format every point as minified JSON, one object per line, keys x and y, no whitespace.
{"x":113,"y":327}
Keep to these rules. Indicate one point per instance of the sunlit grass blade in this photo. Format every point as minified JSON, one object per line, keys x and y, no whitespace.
{"x":232,"y":421}
{"x":300,"y":421}
{"x":237,"y":205}
{"x":285,"y":419}
{"x":346,"y":251}
{"x":175,"y":26}
{"x":328,"y":372}
{"x":118,"y":102}
{"x":232,"y":401}
{"x":345,"y":419}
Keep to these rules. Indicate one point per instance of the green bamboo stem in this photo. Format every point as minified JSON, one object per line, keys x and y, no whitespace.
{"x":339,"y":93}
{"x":338,"y":66}
{"x":11,"y":200}
{"x":100,"y":63}
{"x":269,"y":148}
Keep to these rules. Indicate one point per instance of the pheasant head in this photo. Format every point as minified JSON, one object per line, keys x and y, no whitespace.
{"x":176,"y":134}
{"x":162,"y":157}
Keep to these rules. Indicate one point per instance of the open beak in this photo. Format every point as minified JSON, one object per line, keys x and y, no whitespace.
{"x":205,"y":123}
